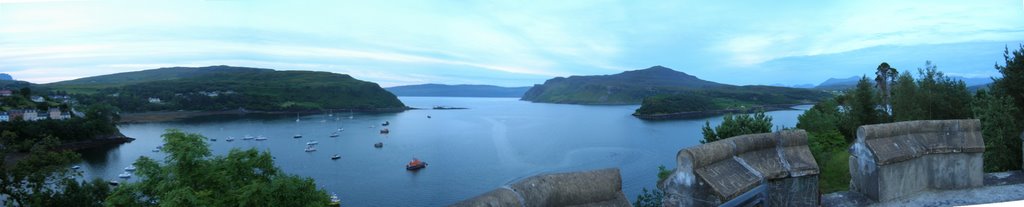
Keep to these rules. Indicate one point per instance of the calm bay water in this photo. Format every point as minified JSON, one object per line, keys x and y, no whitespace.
{"x":472,"y":151}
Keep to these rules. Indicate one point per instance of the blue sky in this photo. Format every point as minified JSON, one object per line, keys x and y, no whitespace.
{"x":509,"y":43}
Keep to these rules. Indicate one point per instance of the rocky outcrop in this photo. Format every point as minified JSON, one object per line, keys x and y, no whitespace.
{"x":893,"y":160}
{"x":590,"y":188}
{"x":771,"y":169}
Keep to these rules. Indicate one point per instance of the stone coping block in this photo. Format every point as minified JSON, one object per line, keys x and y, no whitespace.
{"x":893,"y":160}
{"x":712,"y":173}
{"x":900,"y":141}
{"x":589,"y":188}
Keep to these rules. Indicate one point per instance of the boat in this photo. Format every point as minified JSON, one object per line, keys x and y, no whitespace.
{"x":350,"y":114}
{"x":297,"y":136}
{"x":334,"y":134}
{"x":415,"y":165}
{"x":125,"y":175}
{"x":341,"y":129}
{"x":213,"y":139}
{"x":230,"y":139}
{"x":129,"y":168}
{"x":156,"y":150}
{"x":297,"y":117}
{"x":314,"y":142}
{"x":114,"y":182}
{"x":247,"y":137}
{"x":335,"y":201}
{"x":76,"y":167}
{"x":378,"y":145}
{"x":428,"y":116}
{"x":335,"y":157}
{"x":261,"y":138}
{"x":385,"y":131}
{"x":386,"y":123}
{"x":310,"y":148}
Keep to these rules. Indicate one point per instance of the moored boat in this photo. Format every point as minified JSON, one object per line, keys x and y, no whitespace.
{"x":415,"y":165}
{"x":125,"y":175}
{"x":335,"y":157}
{"x":310,"y":148}
{"x":261,"y":138}
{"x":378,"y":145}
{"x":314,"y":142}
{"x":129,"y":168}
{"x":385,"y":131}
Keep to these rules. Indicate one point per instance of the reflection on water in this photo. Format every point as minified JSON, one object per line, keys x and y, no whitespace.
{"x":470,"y":151}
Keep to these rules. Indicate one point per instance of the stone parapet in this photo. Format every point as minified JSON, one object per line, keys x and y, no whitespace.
{"x":589,"y":188}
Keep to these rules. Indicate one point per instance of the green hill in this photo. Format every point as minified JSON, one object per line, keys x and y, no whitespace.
{"x":628,"y":87}
{"x":229,"y":88}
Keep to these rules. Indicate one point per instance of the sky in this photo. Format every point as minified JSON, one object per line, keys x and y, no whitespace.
{"x":510,"y":43}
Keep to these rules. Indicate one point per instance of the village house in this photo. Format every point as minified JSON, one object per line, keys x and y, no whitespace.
{"x":155,"y":100}
{"x":65,"y":115}
{"x":16,"y":114}
{"x":38,"y":99}
{"x":54,"y":113}
{"x":6,"y":93}
{"x":30,"y":115}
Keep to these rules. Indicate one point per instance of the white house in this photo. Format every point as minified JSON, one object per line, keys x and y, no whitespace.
{"x":155,"y":100}
{"x":54,"y":113}
{"x":30,"y":115}
{"x":38,"y":99}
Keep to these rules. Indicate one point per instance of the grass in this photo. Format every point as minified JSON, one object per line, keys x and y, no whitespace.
{"x":835,"y":172}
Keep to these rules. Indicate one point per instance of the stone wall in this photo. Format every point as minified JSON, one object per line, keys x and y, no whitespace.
{"x":590,"y":188}
{"x":889,"y":161}
{"x":738,"y":168}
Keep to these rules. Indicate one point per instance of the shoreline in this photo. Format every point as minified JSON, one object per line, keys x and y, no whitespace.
{"x":11,"y":159}
{"x":163,"y":116}
{"x":703,"y":114}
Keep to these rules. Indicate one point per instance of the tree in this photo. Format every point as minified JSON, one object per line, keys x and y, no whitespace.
{"x":862,"y":106}
{"x":42,"y":178}
{"x":885,"y":74}
{"x":1001,"y":131}
{"x":736,"y":125}
{"x":1012,"y":82}
{"x":941,"y":97}
{"x":905,"y":105}
{"x":191,"y":176}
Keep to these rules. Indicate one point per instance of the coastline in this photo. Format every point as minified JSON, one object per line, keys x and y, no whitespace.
{"x":702,"y":114}
{"x":162,"y":116}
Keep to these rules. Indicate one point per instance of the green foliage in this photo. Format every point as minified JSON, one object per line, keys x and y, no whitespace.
{"x":822,"y":117}
{"x":905,"y":103}
{"x":1012,"y":82}
{"x":1001,"y":130}
{"x":191,"y":176}
{"x":665,"y":104}
{"x":941,"y":97}
{"x":663,"y":172}
{"x":863,"y":104}
{"x":835,"y":172}
{"x":42,"y":178}
{"x":736,"y":125}
{"x":237,"y":88}
{"x":649,"y":198}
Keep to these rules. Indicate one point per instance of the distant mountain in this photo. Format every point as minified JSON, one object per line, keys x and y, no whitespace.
{"x":847,"y":83}
{"x":628,"y":87}
{"x":838,"y":83}
{"x":230,"y":88}
{"x":5,"y":76}
{"x":794,"y":85}
{"x":441,"y":90}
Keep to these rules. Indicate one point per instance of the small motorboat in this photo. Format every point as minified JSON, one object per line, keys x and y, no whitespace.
{"x":341,"y":129}
{"x":335,"y":157}
{"x":314,"y":142}
{"x":213,"y":139}
{"x":335,"y":201}
{"x":114,"y":182}
{"x":415,"y":164}
{"x":261,"y":138}
{"x":310,"y":148}
{"x":335,"y":134}
{"x":247,"y":137}
{"x":428,"y":116}
{"x":125,"y":175}
{"x":129,"y":168}
{"x":76,"y":167}
{"x":386,"y":123}
{"x":378,"y":145}
{"x":297,"y":136}
{"x":160,"y":147}
{"x":156,"y":150}
{"x":230,"y":139}
{"x":385,"y":131}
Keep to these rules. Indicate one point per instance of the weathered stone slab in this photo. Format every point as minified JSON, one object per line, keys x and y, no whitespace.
{"x":718,"y":172}
{"x":495,"y":198}
{"x":893,"y":160}
{"x":589,"y":188}
{"x":728,"y":178}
